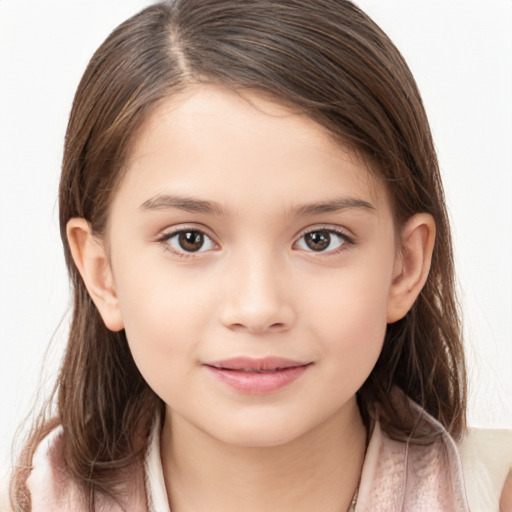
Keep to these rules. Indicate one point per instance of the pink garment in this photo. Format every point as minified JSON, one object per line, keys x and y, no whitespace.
{"x":403,"y":477}
{"x":51,"y":490}
{"x":396,"y":477}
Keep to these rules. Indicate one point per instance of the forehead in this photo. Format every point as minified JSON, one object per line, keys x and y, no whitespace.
{"x":210,"y":141}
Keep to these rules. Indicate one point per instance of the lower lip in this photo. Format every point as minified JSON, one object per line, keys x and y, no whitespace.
{"x":258,"y":383}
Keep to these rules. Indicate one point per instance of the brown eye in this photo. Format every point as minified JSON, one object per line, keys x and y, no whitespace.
{"x":191,"y":241}
{"x":322,"y":240}
{"x":318,"y":240}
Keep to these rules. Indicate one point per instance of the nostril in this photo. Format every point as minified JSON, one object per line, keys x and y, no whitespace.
{"x":257,"y":316}
{"x":277,"y":326}
{"x":255,"y":328}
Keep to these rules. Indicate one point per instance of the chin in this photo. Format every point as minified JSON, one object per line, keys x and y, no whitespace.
{"x":261,"y":431}
{"x":259,"y":438}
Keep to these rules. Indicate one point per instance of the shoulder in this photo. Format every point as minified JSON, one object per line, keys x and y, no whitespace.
{"x":401,"y":476}
{"x":487,"y":459}
{"x":51,"y":487}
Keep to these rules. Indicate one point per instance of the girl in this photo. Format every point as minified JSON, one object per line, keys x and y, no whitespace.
{"x":264,"y":309}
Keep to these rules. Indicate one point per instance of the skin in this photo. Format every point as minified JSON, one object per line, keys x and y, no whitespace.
{"x":506,"y":494}
{"x":256,"y":289}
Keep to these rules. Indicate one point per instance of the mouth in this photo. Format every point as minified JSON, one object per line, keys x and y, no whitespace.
{"x":249,"y":364}
{"x":257,"y":376}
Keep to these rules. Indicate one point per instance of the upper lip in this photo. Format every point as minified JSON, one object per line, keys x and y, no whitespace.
{"x":250,"y":363}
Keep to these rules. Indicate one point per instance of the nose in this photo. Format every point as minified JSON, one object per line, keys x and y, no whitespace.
{"x":257,"y":297}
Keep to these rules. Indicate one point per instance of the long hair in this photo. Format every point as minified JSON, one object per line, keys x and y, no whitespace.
{"x":333,"y":63}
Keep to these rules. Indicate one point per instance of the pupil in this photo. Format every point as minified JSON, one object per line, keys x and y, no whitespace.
{"x":318,"y":240}
{"x":191,"y":241}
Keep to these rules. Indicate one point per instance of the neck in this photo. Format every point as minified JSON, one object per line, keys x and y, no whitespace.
{"x":318,"y":471}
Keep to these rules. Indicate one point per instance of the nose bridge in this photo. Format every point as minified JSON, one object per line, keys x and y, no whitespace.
{"x":256,"y":296}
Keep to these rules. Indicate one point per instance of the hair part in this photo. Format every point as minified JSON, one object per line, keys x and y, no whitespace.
{"x":334,"y":64}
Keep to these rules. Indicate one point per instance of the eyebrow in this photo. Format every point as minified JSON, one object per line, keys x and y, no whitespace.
{"x":190,"y":204}
{"x":333,"y":206}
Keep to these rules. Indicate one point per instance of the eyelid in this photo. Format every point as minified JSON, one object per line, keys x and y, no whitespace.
{"x":171,"y":231}
{"x":344,"y":233}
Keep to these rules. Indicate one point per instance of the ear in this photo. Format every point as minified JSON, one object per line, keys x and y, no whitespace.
{"x":92,"y":262}
{"x":412,"y":264}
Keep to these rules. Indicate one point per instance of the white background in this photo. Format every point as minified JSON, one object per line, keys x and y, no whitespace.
{"x":460,"y":52}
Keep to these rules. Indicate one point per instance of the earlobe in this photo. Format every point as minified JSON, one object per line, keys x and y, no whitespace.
{"x":412,"y":264}
{"x":92,"y":262}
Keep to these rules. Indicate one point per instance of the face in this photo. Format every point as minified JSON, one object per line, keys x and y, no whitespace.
{"x":253,"y":260}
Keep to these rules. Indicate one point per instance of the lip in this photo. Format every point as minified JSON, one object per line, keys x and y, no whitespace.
{"x":257,"y":376}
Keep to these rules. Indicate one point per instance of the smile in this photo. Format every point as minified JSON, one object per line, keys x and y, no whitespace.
{"x":257,"y":376}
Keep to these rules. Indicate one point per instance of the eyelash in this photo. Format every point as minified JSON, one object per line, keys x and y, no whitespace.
{"x":346,"y":240}
{"x":164,"y":240}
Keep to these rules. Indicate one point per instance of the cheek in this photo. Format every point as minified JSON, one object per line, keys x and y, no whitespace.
{"x":353,"y":334}
{"x":164,"y":316}
{"x":349,"y":319}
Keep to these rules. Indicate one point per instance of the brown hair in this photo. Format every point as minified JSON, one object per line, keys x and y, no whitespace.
{"x":325,"y":57}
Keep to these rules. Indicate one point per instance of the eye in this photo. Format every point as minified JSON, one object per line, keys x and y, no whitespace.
{"x":189,"y":241}
{"x":322,"y":240}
